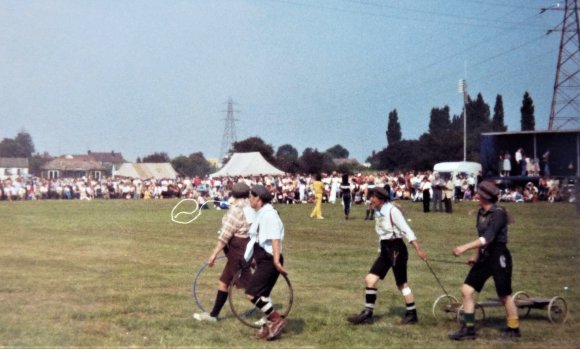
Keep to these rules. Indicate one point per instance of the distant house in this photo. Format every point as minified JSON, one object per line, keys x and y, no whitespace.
{"x":70,"y":166}
{"x":13,"y":167}
{"x":93,"y":164}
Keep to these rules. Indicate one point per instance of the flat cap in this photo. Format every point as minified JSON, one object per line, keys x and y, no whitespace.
{"x":488,"y":191}
{"x":240,"y":190}
{"x":380,"y":193}
{"x":262,"y":192}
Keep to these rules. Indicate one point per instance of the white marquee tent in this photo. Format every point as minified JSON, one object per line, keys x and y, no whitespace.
{"x":247,"y":164}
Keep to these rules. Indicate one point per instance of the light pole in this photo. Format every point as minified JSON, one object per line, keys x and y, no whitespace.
{"x":463,"y":90}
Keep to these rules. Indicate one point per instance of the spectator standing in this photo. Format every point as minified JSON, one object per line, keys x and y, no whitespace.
{"x":437,"y":187}
{"x":346,"y":192}
{"x":448,"y":194}
{"x":507,"y":164}
{"x":318,"y":189}
{"x":519,"y":157}
{"x":546,"y":160}
{"x":426,"y":190}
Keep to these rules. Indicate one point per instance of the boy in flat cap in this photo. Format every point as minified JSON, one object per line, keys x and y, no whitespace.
{"x":233,"y":238}
{"x":391,"y":226}
{"x":491,"y":258}
{"x":265,"y":247}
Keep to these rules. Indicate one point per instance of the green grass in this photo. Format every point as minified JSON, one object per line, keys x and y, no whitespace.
{"x":119,"y":274}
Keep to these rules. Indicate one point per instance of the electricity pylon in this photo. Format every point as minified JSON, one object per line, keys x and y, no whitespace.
{"x":565,"y":109}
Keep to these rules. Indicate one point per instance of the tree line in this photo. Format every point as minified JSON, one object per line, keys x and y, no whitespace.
{"x":444,"y":139}
{"x":442,"y":142}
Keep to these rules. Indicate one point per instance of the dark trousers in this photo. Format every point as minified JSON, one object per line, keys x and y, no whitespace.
{"x":426,"y":200}
{"x":448,"y":205}
{"x":346,"y":199}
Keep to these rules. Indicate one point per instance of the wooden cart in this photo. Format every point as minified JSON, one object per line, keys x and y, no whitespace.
{"x":448,"y":307}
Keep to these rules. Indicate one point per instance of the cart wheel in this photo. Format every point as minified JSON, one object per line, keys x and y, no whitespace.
{"x":445,"y":307}
{"x":479,"y":314}
{"x":524,"y":307}
{"x":557,"y":310}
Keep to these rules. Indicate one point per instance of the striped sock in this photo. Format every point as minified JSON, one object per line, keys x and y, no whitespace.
{"x":264,"y":304}
{"x":370,"y":298}
{"x":411,"y":307}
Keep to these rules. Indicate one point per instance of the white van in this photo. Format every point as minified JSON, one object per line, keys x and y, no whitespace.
{"x":456,"y":167}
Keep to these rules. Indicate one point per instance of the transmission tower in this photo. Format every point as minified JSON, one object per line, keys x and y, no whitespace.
{"x":229,"y":136}
{"x":565,"y":109}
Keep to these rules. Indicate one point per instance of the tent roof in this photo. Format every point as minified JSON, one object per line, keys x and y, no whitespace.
{"x":146,"y":170}
{"x":247,"y":164}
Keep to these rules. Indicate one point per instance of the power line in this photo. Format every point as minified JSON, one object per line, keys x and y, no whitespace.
{"x":486,"y":22}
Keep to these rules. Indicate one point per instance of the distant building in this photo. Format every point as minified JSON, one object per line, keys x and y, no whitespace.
{"x":13,"y":167}
{"x":94,"y":164}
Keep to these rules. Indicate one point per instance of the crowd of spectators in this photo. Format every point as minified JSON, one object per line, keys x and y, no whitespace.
{"x":287,"y":189}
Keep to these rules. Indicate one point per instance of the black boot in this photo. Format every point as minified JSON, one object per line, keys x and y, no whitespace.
{"x":510,"y":333}
{"x":365,"y":317}
{"x":410,"y":317}
{"x":465,"y":332}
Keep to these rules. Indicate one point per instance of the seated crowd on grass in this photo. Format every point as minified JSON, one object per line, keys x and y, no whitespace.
{"x":287,"y":189}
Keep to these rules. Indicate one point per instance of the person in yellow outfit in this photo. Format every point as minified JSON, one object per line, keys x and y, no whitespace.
{"x":318,"y":189}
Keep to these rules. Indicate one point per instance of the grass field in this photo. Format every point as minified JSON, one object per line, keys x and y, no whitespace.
{"x":119,"y":274}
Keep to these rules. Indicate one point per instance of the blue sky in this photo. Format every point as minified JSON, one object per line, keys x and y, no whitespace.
{"x":146,"y":76}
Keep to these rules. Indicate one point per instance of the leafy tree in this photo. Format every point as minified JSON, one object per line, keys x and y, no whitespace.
{"x":157,"y":158}
{"x":287,"y":158}
{"x":399,"y":156}
{"x":444,"y":141}
{"x":24,"y":140}
{"x":10,"y":149}
{"x":313,"y":161}
{"x":478,"y":122}
{"x":254,"y":144}
{"x":337,"y":152}
{"x":497,"y":123}
{"x":439,"y":120}
{"x":393,"y":128}
{"x":528,"y":120}
{"x":286,"y":151}
{"x":193,"y":165}
{"x":19,"y":147}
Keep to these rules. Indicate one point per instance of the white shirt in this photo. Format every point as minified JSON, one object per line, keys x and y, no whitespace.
{"x":391,"y":224}
{"x":267,"y":226}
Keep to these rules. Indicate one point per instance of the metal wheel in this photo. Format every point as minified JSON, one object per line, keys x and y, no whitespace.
{"x":445,"y":307}
{"x":521,"y":299}
{"x":204,"y":286}
{"x":558,"y":310}
{"x":282,"y":297}
{"x":479,"y":314}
